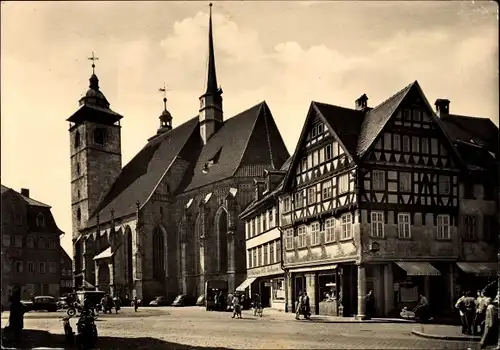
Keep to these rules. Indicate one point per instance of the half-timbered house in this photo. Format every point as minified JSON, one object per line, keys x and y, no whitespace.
{"x":263,"y":241}
{"x":371,"y":202}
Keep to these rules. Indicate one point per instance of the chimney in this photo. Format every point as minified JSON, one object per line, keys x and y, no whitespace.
{"x":362,"y":103}
{"x":25,"y":192}
{"x":442,"y":107}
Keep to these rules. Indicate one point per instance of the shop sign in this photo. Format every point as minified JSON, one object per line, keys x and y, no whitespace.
{"x":264,"y":270}
{"x":267,"y":284}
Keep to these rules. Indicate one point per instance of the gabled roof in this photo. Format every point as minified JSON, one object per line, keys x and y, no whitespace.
{"x":248,"y":138}
{"x":345,"y":122}
{"x":478,"y":130}
{"x":141,"y":175}
{"x":28,"y":200}
{"x":376,"y":119}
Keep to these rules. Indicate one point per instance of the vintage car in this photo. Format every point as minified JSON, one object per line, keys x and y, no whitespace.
{"x":44,"y":303}
{"x":160,"y":301}
{"x":184,"y":300}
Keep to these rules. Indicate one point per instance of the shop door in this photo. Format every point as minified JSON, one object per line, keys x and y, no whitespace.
{"x":439,"y":301}
{"x":266,"y":294}
{"x":299,"y":287}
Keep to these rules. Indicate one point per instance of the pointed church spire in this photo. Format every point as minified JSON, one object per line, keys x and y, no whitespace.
{"x":165,"y":117}
{"x":212,"y":76}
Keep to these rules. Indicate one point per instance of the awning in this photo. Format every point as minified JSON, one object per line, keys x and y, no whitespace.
{"x":420,"y":268}
{"x":105,"y":254}
{"x":478,"y":268}
{"x":246,"y":283}
{"x":314,"y":268}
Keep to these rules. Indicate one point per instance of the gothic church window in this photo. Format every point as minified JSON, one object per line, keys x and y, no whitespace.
{"x":99,"y":136}
{"x":77,"y":139}
{"x":158,"y":254}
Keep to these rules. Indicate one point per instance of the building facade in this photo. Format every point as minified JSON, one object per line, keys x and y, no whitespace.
{"x":265,"y":273}
{"x":167,"y":221}
{"x":66,"y":284}
{"x":372,"y":202}
{"x":30,"y":246}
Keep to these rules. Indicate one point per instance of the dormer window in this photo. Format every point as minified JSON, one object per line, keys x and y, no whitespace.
{"x":99,"y":136}
{"x":212,"y":161}
{"x":40,"y":220}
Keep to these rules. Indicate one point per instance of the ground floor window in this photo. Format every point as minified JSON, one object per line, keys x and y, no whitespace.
{"x":278,"y":288}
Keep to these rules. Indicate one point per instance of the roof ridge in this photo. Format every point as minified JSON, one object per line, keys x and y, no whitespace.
{"x":394,"y":95}
{"x":336,"y":106}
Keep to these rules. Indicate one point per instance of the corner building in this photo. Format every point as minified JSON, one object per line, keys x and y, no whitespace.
{"x":373,"y":201}
{"x":168,"y":220}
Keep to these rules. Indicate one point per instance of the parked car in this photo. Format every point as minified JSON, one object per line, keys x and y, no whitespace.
{"x":184,"y":300}
{"x":200,"y":301}
{"x":46,"y":303}
{"x":159,"y":301}
{"x":62,"y":303}
{"x":28,"y":304}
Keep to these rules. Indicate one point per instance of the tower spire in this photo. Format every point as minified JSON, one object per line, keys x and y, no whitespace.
{"x":212,"y":87}
{"x":94,"y":81}
{"x":165,"y":117}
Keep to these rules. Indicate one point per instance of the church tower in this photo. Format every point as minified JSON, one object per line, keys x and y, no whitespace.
{"x":211,"y":101}
{"x":95,"y":152}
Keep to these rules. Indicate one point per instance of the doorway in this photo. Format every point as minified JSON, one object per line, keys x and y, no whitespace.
{"x":265,"y":296}
{"x":298,"y":287}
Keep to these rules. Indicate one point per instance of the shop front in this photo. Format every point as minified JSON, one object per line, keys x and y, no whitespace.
{"x":331,"y":288}
{"x":267,"y":281}
{"x":473,"y":276}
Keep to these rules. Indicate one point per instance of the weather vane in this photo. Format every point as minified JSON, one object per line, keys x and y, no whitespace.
{"x":93,"y":59}
{"x":164,"y":90}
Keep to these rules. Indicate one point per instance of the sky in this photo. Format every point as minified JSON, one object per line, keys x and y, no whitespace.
{"x":286,"y":53}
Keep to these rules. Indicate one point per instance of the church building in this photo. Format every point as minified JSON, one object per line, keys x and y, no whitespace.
{"x":167,"y":221}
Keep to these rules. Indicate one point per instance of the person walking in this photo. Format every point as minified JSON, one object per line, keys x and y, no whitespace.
{"x":306,"y":306}
{"x":369,"y":305}
{"x":136,"y":303}
{"x":236,"y":307}
{"x":468,"y":305}
{"x":477,"y":325}
{"x":459,"y":306}
{"x":490,"y":333}
{"x":298,"y":306}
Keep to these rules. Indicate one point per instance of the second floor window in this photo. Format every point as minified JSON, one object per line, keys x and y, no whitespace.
{"x":286,"y":204}
{"x":327,"y":190}
{"x":425,"y":146}
{"x":405,"y":182}
{"x":377,"y":224}
{"x":264,"y":222}
{"x":315,"y":233}
{"x":41,"y":243}
{"x":31,"y":267}
{"x":301,"y":233}
{"x":444,"y":184}
{"x":41,"y":267}
{"x":378,"y":179}
{"x":278,"y":251}
{"x":18,"y":243}
{"x":346,"y":226}
{"x":52,"y":268}
{"x":30,"y":242}
{"x":329,"y":230}
{"x":343,"y":183}
{"x":443,"y":227}
{"x":19,"y":266}
{"x":257,"y":225}
{"x":6,"y":240}
{"x":311,"y":195}
{"x":328,"y":152}
{"x":406,"y":143}
{"x":265,"y":248}
{"x":299,"y":199}
{"x":271,"y":252}
{"x":289,"y":238}
{"x":396,"y":146}
{"x":404,"y":225}
{"x":469,"y":227}
{"x":255,"y":263}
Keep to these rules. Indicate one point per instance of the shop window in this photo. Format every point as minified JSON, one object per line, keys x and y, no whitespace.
{"x":279,"y":289}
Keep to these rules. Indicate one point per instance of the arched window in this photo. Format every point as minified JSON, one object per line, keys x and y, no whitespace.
{"x":221,"y":237}
{"x":40,"y":220}
{"x":158,"y":254}
{"x":198,"y":250}
{"x":128,"y":254}
{"x":99,"y":136}
{"x":77,"y":139}
{"x":78,"y":214}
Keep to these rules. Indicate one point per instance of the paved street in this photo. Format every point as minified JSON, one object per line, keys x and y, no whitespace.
{"x":185,"y":328}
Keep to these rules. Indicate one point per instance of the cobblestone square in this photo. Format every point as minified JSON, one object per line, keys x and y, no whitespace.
{"x":193,"y":327}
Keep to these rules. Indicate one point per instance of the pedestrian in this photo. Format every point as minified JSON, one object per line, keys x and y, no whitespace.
{"x":480,"y":313}
{"x":369,"y":305}
{"x":490,"y":334}
{"x":468,"y":305}
{"x":306,"y":306}
{"x":422,"y":312}
{"x":459,"y":306}
{"x":298,"y":306}
{"x":16,"y":316}
{"x":236,"y":307}
{"x":136,"y":303}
